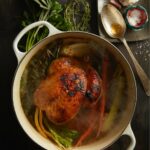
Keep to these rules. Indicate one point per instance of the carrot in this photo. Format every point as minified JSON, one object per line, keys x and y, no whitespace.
{"x":84,"y":135}
{"x":90,"y":129}
{"x":103,"y":100}
{"x":102,"y":105}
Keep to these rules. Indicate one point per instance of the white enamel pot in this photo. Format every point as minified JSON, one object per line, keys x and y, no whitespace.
{"x":123,"y":128}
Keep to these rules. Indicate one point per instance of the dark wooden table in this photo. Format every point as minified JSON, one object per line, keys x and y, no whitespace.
{"x":12,"y":135}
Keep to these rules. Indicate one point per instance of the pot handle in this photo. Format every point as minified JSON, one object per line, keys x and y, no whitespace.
{"x":51,"y":28}
{"x":128,"y":131}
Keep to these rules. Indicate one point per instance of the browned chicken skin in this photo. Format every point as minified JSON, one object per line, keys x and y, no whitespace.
{"x":62,"y":63}
{"x":94,"y":87}
{"x":67,"y":87}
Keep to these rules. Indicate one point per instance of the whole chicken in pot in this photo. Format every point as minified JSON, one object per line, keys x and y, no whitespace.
{"x":69,"y":85}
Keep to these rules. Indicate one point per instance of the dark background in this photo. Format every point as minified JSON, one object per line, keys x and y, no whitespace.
{"x":12,"y":135}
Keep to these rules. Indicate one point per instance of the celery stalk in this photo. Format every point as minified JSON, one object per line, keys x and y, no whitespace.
{"x":116,"y":100}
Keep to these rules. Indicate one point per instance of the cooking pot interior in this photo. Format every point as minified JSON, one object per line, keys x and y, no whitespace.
{"x":120,"y":102}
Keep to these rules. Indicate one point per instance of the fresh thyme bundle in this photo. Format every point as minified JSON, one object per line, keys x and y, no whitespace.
{"x":77,"y":15}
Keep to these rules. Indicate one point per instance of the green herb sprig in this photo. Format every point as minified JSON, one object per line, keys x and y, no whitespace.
{"x":63,"y":137}
{"x":47,"y":10}
{"x":77,"y":15}
{"x":73,"y":15}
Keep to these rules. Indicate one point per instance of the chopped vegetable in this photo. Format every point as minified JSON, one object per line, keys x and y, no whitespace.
{"x":118,"y":92}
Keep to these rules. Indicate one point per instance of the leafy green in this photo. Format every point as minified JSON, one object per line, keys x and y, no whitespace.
{"x":62,"y":136}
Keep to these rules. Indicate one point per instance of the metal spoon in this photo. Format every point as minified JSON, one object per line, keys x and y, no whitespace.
{"x":115,"y":27}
